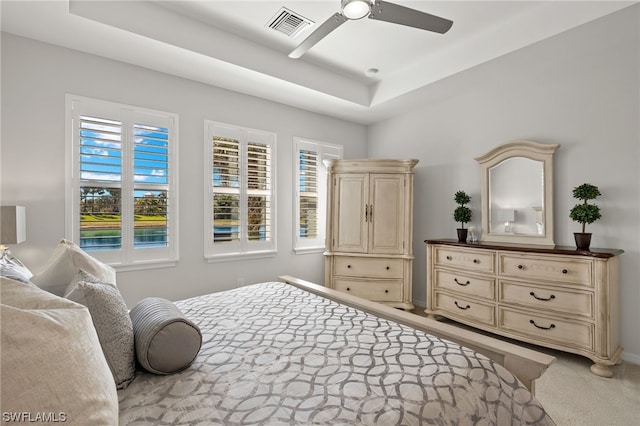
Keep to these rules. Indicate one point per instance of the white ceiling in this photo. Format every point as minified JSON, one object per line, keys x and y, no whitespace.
{"x":228,"y":44}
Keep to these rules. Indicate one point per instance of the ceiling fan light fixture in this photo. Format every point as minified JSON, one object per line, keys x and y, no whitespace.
{"x":355,"y":9}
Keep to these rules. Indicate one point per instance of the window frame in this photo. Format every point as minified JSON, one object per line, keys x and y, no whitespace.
{"x":127,"y":257}
{"x":325,"y":151}
{"x":244,"y":248}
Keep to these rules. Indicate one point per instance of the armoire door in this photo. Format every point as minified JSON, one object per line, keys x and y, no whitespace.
{"x":350,"y":213}
{"x":386,"y":213}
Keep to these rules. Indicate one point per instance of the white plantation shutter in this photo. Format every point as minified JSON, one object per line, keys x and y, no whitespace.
{"x":100,"y":146}
{"x":310,"y":192}
{"x":151,"y":186}
{"x":121,"y":196}
{"x":259,"y":192}
{"x":226,"y":190}
{"x":240,"y":203}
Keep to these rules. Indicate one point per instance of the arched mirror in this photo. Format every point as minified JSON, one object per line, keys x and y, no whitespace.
{"x":517,"y":193}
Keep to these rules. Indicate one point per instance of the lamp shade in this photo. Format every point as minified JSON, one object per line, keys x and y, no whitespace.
{"x":13,"y":224}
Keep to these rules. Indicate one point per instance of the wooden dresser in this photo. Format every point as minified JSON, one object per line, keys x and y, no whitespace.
{"x":556,"y":297}
{"x":369,"y":229}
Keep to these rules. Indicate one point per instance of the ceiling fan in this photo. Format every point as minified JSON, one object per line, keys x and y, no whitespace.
{"x":375,"y":9}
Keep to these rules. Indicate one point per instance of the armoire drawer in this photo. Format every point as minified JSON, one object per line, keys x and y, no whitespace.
{"x":461,"y":283}
{"x":469,"y":259}
{"x":374,"y":267}
{"x":561,"y":270}
{"x":547,"y":329}
{"x":378,"y":291}
{"x":547,"y":298}
{"x":459,"y":306}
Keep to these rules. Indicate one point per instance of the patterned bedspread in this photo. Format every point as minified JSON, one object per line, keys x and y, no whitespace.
{"x":274,"y":354}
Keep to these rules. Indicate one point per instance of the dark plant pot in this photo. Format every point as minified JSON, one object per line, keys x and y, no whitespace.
{"x":462,"y":235}
{"x":583,"y":240}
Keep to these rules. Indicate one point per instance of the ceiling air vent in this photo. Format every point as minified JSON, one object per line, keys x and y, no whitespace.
{"x":288,"y":22}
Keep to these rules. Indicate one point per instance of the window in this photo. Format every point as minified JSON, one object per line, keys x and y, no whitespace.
{"x":240,"y":200}
{"x":121,"y":197}
{"x":311,"y":192}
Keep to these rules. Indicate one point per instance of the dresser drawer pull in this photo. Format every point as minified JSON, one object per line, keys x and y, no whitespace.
{"x":542,"y":298}
{"x":386,"y":291}
{"x":462,"y":284}
{"x":541,"y":327}
{"x":348,"y":289}
{"x":565,"y":271}
{"x":388,"y":268}
{"x":520,"y":266}
{"x":476,"y":261}
{"x":449,"y":258}
{"x":348,"y":266}
{"x":464,"y":308}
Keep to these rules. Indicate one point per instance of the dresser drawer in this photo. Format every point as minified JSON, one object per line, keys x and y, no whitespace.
{"x":547,"y":298}
{"x":374,"y":267}
{"x":378,"y":291}
{"x":561,"y":270}
{"x":547,"y":329}
{"x":469,"y":259}
{"x":465,"y":284}
{"x":462,"y":307}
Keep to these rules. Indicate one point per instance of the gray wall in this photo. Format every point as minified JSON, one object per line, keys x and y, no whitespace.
{"x":35,"y":78}
{"x":579,"y":89}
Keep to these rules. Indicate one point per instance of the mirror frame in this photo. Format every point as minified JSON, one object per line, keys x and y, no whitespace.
{"x":527,"y":149}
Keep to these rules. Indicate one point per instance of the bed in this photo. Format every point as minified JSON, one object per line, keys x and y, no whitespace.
{"x":292,"y":352}
{"x":286,"y":352}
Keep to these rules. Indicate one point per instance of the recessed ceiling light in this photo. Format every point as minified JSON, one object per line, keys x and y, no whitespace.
{"x":371,"y":72}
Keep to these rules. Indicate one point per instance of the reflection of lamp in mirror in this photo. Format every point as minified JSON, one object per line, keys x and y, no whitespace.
{"x":13,"y":225}
{"x":507,"y":216}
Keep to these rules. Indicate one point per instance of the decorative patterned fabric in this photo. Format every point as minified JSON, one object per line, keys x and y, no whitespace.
{"x":75,"y":292}
{"x":275,"y":354}
{"x":115,"y":331}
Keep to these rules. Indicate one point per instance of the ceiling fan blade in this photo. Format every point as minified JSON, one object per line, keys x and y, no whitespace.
{"x":321,"y":32}
{"x":390,"y":12}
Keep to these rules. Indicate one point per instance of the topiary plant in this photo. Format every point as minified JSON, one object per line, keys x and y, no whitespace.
{"x":584,"y":212}
{"x":462,"y":213}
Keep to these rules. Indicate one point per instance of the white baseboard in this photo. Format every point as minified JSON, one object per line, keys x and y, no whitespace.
{"x":632,"y":358}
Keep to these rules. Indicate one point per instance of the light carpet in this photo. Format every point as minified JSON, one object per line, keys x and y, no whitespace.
{"x":572,"y":395}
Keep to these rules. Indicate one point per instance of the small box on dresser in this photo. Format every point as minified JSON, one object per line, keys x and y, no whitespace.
{"x":556,"y":297}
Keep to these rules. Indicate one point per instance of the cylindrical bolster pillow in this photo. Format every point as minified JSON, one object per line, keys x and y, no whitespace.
{"x":165,"y":340}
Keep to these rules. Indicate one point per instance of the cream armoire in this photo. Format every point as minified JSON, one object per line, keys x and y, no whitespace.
{"x":370,"y":229}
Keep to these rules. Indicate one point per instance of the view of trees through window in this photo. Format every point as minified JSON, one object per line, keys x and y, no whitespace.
{"x":227,"y":189}
{"x":101,"y":184}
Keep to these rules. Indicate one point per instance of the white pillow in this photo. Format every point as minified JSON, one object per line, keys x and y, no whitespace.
{"x":51,"y":359}
{"x":65,"y":261}
{"x":12,"y":267}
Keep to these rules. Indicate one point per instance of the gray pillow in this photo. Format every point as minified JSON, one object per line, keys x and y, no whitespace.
{"x":75,"y":292}
{"x":115,"y":331}
{"x":165,"y":340}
